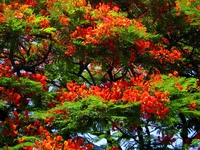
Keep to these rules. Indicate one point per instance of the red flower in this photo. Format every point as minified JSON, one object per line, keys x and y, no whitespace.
{"x":44,"y":23}
{"x":141,"y":46}
{"x":1,"y":17}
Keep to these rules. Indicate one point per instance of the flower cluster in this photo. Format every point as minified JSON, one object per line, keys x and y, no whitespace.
{"x":57,"y":142}
{"x":44,"y":23}
{"x":74,"y":91}
{"x":1,"y":17}
{"x":10,"y":95}
{"x":164,"y":55}
{"x":109,"y":26}
{"x":154,"y":105}
{"x":11,"y":124}
{"x":36,"y":77}
{"x":166,"y":139}
{"x":105,"y":27}
{"x":113,"y":148}
{"x":152,"y":102}
{"x":5,"y":69}
{"x":142,"y":46}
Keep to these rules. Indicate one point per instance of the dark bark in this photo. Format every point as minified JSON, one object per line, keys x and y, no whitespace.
{"x":3,"y":115}
{"x":184,"y":131}
{"x":141,"y":138}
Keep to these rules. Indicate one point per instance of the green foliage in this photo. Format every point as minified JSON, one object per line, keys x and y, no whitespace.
{"x":181,"y":99}
{"x":2,"y":104}
{"x":196,"y":142}
{"x":26,"y":83}
{"x":29,"y":141}
{"x":191,"y":9}
{"x":18,"y":146}
{"x":90,"y":115}
{"x":34,"y":40}
{"x":48,"y":30}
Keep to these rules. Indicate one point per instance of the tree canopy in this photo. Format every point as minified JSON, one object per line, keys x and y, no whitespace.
{"x":76,"y":72}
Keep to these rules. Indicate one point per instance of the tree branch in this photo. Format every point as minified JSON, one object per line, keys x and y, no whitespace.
{"x":91,"y":76}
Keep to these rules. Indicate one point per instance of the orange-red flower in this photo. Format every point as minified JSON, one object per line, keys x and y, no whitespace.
{"x":45,"y":23}
{"x":1,"y":17}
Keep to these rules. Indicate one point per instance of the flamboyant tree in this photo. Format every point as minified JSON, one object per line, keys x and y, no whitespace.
{"x":74,"y":72}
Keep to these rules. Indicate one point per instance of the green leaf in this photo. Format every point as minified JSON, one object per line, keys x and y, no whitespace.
{"x":27,"y":138}
{"x":40,"y":115}
{"x":195,"y":23}
{"x":48,"y":30}
{"x":21,"y":145}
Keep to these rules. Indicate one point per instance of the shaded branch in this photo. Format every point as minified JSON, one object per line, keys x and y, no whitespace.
{"x":141,"y":139}
{"x":74,"y":73}
{"x":110,"y":74}
{"x":149,"y":136}
{"x":11,"y":56}
{"x":91,"y":76}
{"x":184,"y":132}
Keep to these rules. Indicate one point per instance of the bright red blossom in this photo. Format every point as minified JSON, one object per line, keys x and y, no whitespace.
{"x":44,"y":23}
